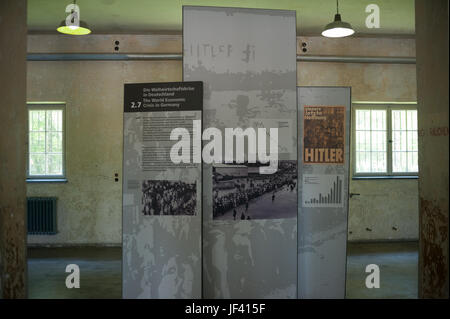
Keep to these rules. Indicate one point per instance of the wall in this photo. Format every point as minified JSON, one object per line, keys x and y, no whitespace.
{"x":90,"y":202}
{"x":13,"y":48}
{"x":432,"y":86}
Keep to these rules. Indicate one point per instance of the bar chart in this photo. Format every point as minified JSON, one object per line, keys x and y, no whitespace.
{"x":322,"y":190}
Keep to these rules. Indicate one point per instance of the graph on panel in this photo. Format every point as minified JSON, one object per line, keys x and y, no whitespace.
{"x":322,"y":190}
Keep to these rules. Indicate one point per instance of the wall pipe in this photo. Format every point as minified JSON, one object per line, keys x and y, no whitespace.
{"x":175,"y":56}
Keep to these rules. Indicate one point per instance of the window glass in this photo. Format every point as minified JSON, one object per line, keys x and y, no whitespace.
{"x":45,"y":143}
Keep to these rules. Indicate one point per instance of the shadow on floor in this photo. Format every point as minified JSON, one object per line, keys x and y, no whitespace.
{"x":100,"y":271}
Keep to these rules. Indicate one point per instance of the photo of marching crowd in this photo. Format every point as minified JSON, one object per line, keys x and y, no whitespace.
{"x":169,"y":198}
{"x":241,"y":193}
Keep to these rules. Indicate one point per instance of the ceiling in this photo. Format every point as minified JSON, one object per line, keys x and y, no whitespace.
{"x":164,"y":16}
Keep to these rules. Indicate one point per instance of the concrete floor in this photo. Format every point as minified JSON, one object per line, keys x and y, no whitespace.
{"x":398,"y":263}
{"x":100,"y":270}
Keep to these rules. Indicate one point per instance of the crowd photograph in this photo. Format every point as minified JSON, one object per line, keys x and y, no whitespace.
{"x":168,"y":197}
{"x":241,"y":193}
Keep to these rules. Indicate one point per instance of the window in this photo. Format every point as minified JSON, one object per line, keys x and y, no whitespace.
{"x":385,"y":139}
{"x":46,"y":151}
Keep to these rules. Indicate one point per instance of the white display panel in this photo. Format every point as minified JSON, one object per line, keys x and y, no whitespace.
{"x":324,"y":158}
{"x":247,"y":61}
{"x":161,"y":218}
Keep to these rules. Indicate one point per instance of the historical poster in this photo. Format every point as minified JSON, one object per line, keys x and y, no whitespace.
{"x":323,"y":134}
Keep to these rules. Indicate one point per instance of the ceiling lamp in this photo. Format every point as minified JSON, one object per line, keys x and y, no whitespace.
{"x":74,"y":30}
{"x":338,"y":28}
{"x":73,"y":25}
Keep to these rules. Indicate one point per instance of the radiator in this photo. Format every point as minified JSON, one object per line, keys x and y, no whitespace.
{"x":41,"y":214}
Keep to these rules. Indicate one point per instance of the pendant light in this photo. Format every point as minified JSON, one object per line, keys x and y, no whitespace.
{"x":337,"y":28}
{"x":80,"y":29}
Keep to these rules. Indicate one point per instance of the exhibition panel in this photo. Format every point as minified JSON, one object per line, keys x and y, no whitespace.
{"x":324,"y":156}
{"x":161,"y":219}
{"x":246,"y":59}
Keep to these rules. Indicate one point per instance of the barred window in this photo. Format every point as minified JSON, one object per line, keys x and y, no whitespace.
{"x":45,"y":141}
{"x":385,"y":139}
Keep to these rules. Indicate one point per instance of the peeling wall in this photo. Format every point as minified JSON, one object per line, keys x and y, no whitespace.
{"x":432,"y":89}
{"x":12,"y":149}
{"x":90,"y":203}
{"x":385,"y":210}
{"x":89,"y":210}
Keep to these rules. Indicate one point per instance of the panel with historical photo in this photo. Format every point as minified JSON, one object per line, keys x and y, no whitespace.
{"x":240,"y":192}
{"x":160,"y":197}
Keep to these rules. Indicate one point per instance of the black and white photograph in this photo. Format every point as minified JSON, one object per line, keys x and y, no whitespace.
{"x":169,"y":197}
{"x":240,"y":192}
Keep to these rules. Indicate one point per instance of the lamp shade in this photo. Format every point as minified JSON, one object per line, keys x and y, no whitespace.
{"x":74,"y":30}
{"x":337,"y":28}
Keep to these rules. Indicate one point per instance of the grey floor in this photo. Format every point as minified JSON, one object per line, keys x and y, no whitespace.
{"x":398,"y":264}
{"x":101,"y":271}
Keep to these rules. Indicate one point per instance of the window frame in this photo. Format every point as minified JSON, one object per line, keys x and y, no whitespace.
{"x":389,"y":107}
{"x":44,"y":106}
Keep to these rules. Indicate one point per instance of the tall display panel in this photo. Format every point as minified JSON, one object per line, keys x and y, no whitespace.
{"x":324,"y":158}
{"x":247,"y":61}
{"x":161,"y":219}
